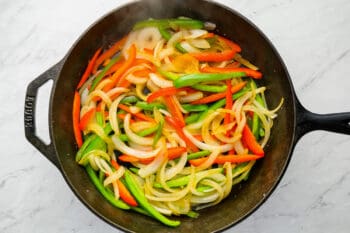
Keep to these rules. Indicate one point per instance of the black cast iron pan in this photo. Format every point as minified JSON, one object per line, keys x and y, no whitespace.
{"x":292,"y":123}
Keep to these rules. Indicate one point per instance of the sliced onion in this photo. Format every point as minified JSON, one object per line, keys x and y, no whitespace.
{"x":209,"y":26}
{"x":159,"y":81}
{"x":139,"y":91}
{"x":98,"y":93}
{"x":209,"y":161}
{"x":173,"y":171}
{"x":141,"y":125}
{"x":228,"y":185}
{"x":191,"y":97}
{"x":189,"y":48}
{"x":135,"y":79}
{"x":113,"y":114}
{"x":145,"y":141}
{"x":157,"y":162}
{"x":121,"y":146}
{"x":148,"y":37}
{"x":199,"y":43}
{"x":203,"y":146}
{"x":114,"y":176}
{"x":195,"y":33}
{"x":206,"y":199}
{"x":84,"y":95}
{"x":152,"y":86}
{"x":95,"y":153}
{"x":175,"y":38}
{"x":244,"y":62}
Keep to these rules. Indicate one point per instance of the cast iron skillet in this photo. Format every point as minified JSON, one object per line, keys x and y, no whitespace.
{"x":293,"y":120}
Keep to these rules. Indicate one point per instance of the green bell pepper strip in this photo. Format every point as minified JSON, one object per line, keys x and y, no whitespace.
{"x":129,"y":99}
{"x":123,"y":138}
{"x":85,"y":145}
{"x":179,"y":48}
{"x":99,"y":118}
{"x":158,"y":132}
{"x":136,"y":191}
{"x":93,"y":142}
{"x":167,"y":35}
{"x":192,"y":118}
{"x":169,"y":23}
{"x":256,"y":127}
{"x":194,"y":107}
{"x":110,"y":198}
{"x":192,"y":214}
{"x":192,"y":79}
{"x":167,"y":74}
{"x":101,"y":176}
{"x":209,"y":88}
{"x":103,"y":72}
{"x":149,"y":106}
{"x":164,"y":33}
{"x":198,"y":154}
{"x":97,"y":144}
{"x":148,"y":131}
{"x":142,"y":133}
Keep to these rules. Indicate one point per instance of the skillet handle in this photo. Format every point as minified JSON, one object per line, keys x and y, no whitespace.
{"x":308,"y":121}
{"x":29,"y":113}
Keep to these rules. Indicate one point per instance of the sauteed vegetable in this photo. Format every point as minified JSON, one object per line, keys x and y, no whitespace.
{"x":169,"y":118}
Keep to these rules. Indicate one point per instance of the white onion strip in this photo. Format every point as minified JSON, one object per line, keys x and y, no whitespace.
{"x":121,"y":146}
{"x":203,"y":146}
{"x":145,"y":141}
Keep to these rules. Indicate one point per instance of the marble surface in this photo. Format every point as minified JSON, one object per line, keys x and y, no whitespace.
{"x":312,"y":37}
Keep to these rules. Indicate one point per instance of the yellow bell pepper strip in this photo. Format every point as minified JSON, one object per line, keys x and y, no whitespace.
{"x":192,"y":79}
{"x":140,"y":197}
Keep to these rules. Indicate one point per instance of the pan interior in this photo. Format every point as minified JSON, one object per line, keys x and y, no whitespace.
{"x":255,"y":47}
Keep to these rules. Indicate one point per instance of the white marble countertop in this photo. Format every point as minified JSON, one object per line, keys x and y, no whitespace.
{"x":312,"y":37}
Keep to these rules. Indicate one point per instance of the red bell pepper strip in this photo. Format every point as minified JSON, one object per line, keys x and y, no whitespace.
{"x":124,"y":67}
{"x":174,"y":110}
{"x":249,"y":139}
{"x":249,"y":72}
{"x":178,"y":128}
{"x":76,"y":117}
{"x":89,"y":68}
{"x":138,"y":115}
{"x":109,"y":53}
{"x":164,"y":92}
{"x":221,"y":159}
{"x":210,"y":98}
{"x":85,"y":119}
{"x":125,"y":195}
{"x":218,"y":56}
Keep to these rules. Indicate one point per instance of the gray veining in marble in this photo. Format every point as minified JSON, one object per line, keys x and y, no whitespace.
{"x":313,"y":39}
